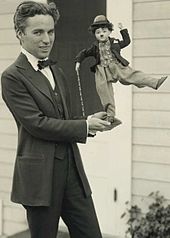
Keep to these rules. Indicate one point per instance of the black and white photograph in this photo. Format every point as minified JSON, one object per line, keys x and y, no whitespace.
{"x":85,"y":119}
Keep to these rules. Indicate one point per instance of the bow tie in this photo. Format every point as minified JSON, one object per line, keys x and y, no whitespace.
{"x":44,"y":63}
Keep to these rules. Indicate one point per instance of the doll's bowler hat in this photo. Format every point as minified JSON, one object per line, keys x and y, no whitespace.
{"x":100,"y":20}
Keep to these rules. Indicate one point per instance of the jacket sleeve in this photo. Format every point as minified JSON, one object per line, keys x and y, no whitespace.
{"x":126,"y":38}
{"x":85,"y":53}
{"x":27,"y":114}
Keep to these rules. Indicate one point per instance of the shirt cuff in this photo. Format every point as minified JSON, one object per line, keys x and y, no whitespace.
{"x":90,"y":132}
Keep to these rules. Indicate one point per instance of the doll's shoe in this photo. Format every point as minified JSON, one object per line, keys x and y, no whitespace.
{"x":161,"y":81}
{"x":114,"y":124}
{"x":113,"y":120}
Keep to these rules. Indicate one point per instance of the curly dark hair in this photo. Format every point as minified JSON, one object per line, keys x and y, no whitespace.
{"x":30,"y":9}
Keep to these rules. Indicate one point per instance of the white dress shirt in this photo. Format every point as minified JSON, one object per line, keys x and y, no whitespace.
{"x":34,"y":62}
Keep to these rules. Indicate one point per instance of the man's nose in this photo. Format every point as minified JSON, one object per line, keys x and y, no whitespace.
{"x":46,"y":38}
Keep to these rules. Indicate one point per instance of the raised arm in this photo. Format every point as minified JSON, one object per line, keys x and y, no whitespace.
{"x":125,"y":36}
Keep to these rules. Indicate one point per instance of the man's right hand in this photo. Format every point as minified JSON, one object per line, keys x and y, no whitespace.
{"x":96,"y":124}
{"x":100,"y":115}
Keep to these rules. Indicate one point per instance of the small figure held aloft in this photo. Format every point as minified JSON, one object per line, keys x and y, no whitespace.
{"x":110,"y":66}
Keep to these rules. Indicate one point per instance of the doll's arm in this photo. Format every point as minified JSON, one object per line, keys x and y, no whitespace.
{"x":82,"y":55}
{"x":125,"y":35}
{"x":85,"y":53}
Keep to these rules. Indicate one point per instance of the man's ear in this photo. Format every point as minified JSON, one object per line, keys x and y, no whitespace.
{"x":19,"y":34}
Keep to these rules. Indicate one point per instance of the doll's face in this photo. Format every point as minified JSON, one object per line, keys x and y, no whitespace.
{"x":102,"y":34}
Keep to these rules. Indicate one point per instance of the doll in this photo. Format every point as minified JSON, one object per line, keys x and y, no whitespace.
{"x":110,"y":66}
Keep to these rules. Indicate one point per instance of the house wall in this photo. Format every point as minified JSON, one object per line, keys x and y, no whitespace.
{"x":151,"y":109}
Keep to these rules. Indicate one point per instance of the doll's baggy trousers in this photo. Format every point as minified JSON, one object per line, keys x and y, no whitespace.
{"x":115,"y":71}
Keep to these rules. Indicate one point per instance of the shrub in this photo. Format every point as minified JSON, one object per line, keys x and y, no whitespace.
{"x":155,"y":223}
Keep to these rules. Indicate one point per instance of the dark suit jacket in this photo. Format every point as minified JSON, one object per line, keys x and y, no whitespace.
{"x":116,"y":46}
{"x":41,"y":131}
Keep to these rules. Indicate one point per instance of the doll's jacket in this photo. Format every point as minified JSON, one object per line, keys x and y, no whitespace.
{"x":116,"y":46}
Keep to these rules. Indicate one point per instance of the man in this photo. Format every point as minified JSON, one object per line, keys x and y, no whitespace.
{"x":49,"y":179}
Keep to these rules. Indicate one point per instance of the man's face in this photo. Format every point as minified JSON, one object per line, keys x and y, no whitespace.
{"x":38,"y":36}
{"x":102,"y":34}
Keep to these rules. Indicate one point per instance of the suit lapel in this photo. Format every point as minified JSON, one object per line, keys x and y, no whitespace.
{"x":35,"y":77}
{"x":38,"y":80}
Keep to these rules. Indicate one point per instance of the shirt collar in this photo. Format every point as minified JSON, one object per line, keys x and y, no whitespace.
{"x":31,"y":59}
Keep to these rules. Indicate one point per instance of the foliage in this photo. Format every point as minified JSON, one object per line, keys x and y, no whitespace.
{"x":155,"y":223}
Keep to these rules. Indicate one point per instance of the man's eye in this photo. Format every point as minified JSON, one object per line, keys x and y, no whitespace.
{"x":37,"y":33}
{"x":51,"y":32}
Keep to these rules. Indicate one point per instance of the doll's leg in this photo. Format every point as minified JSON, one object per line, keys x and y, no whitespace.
{"x":110,"y":107}
{"x":106,"y":94}
{"x":128,"y":76}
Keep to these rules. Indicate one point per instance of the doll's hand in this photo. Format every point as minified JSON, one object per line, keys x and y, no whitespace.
{"x":120,"y":25}
{"x":77,"y":67}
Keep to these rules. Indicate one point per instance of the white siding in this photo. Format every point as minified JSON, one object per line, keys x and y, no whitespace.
{"x":13,"y":215}
{"x":151,"y":109}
